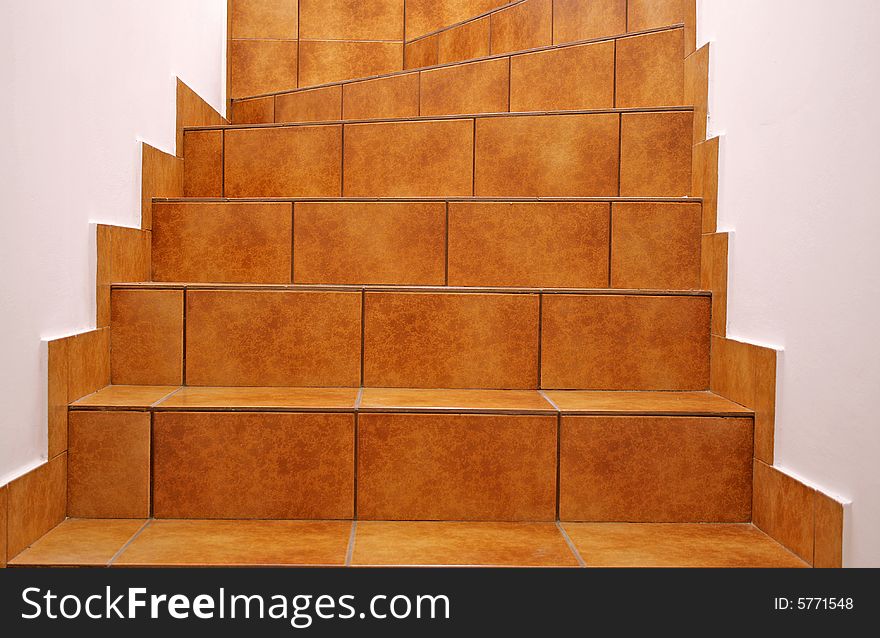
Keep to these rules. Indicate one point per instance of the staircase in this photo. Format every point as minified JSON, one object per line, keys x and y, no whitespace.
{"x":449,"y":315}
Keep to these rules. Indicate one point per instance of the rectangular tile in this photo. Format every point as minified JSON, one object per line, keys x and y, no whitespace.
{"x":238,"y":544}
{"x":655,"y":154}
{"x":298,"y":161}
{"x":424,"y":16}
{"x":126,"y":396}
{"x":161,"y":176}
{"x":678,"y":545}
{"x":147,"y":337}
{"x":57,"y":400}
{"x":828,"y":538}
{"x":575,"y":20}
{"x":657,"y":403}
{"x":441,"y":340}
{"x":394,"y":96}
{"x":713,"y":276}
{"x":37,"y":502}
{"x":259,"y":111}
{"x":652,"y":14}
{"x":326,"y":61}
{"x":696,"y":90}
{"x":456,"y":467}
{"x":270,"y":338}
{"x":650,"y":70}
{"x":421,"y":53}
{"x":784,"y":508}
{"x":80,"y":543}
{"x":457,"y":401}
{"x":109,"y":465}
{"x":529,"y":244}
{"x":222,"y":243}
{"x":297,"y":465}
{"x":464,"y":42}
{"x":479,"y":87}
{"x":264,"y":19}
{"x":655,"y":469}
{"x":351,"y":20}
{"x":620,"y":342}
{"x":262,"y":66}
{"x":370,"y":243}
{"x":4,"y":516}
{"x":88,"y":365}
{"x":547,"y":156}
{"x":573,"y":78}
{"x":523,"y":26}
{"x":463,"y":544}
{"x":314,"y":105}
{"x":193,"y":110}
{"x":249,"y":398}
{"x":704,"y":181}
{"x":655,"y":246}
{"x":409,"y":159}
{"x":203,"y":164}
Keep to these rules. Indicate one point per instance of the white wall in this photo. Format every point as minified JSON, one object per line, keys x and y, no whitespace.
{"x":81,"y":82}
{"x":795,"y":90}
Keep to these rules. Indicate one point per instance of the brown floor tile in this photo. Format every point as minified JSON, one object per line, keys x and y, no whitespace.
{"x":219,"y":243}
{"x":650,"y":70}
{"x":395,"y":96}
{"x":126,"y":396}
{"x":88,"y":363}
{"x":80,"y":543}
{"x":262,"y":66}
{"x":456,"y":467}
{"x":464,"y":544}
{"x":147,"y":337}
{"x":547,"y":156}
{"x":655,"y":154}
{"x":524,"y":26}
{"x":370,"y":243}
{"x":655,"y":246}
{"x":436,"y":400}
{"x":575,"y":20}
{"x":263,"y":338}
{"x":276,"y":19}
{"x":314,"y":105}
{"x":655,"y":469}
{"x":784,"y":508}
{"x":611,"y":342}
{"x":572,"y":78}
{"x":828,"y":543}
{"x":677,"y":545}
{"x":298,"y":466}
{"x":351,"y":20}
{"x":528,"y":244}
{"x":109,"y":465}
{"x":238,"y":543}
{"x":479,"y":87}
{"x":409,"y":159}
{"x":465,"y":42}
{"x":298,"y":161}
{"x":669,"y":403}
{"x":440,"y":340}
{"x":326,"y":61}
{"x":37,"y":502}
{"x":238,"y":398}
{"x":203,"y":164}
{"x":422,"y":53}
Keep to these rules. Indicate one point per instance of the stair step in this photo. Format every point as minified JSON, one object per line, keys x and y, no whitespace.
{"x":541,"y":244}
{"x":645,"y":153}
{"x":643,"y":69}
{"x":200,"y":543}
{"x":387,"y":337}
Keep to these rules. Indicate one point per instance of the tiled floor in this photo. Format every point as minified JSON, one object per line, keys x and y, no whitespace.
{"x":135,"y":543}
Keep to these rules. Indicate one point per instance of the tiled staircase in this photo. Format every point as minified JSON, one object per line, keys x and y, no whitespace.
{"x":445,"y":316}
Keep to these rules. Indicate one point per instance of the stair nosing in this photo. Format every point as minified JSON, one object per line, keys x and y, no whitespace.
{"x":455,"y":199}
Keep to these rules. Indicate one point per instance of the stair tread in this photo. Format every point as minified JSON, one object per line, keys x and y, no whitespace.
{"x":518,"y":200}
{"x":429,"y":400}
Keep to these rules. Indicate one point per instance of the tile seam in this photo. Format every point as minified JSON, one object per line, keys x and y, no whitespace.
{"x":128,"y":543}
{"x":571,"y":544}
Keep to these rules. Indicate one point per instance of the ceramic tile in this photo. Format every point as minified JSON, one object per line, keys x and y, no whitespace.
{"x":262,"y":66}
{"x":657,"y":403}
{"x":147,"y":337}
{"x":394,"y":96}
{"x":479,"y":87}
{"x":456,"y":401}
{"x":575,"y":20}
{"x":465,"y":42}
{"x":326,"y":61}
{"x":203,"y":164}
{"x":126,"y":396}
{"x":80,"y":543}
{"x":828,"y":543}
{"x":351,"y":20}
{"x":650,"y":70}
{"x":422,"y":53}
{"x":249,"y":398}
{"x":523,"y":26}
{"x":314,"y":105}
{"x":784,"y":508}
{"x":37,"y":502}
{"x":655,"y":154}
{"x":277,"y":19}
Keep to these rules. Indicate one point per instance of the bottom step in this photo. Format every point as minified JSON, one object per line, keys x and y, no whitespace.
{"x":175,"y":543}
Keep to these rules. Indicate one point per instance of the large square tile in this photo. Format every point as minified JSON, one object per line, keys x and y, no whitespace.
{"x":656,"y":154}
{"x":650,"y":70}
{"x":203,"y":164}
{"x":147,"y":337}
{"x":264,"y":19}
{"x":262,"y":66}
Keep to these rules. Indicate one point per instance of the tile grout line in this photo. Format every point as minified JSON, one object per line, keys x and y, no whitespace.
{"x":292,"y":241}
{"x":540,"y":338}
{"x":610,"y":240}
{"x":128,"y":543}
{"x":446,"y":261}
{"x":349,"y":552}
{"x":571,"y":545}
{"x":558,"y":463}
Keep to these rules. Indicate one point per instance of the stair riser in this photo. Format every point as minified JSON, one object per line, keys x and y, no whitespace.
{"x":541,"y":245}
{"x":246,"y":465}
{"x":648,"y":72}
{"x":645,"y":154}
{"x":410,"y":339}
